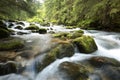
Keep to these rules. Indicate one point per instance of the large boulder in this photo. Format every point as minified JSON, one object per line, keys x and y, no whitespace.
{"x":11,"y":44}
{"x":85,"y":44}
{"x":7,"y":68}
{"x":73,"y":71}
{"x":62,"y":50}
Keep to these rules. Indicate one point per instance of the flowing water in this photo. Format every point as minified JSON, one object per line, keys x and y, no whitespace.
{"x":108,"y":45}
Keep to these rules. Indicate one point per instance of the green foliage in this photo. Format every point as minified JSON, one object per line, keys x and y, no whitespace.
{"x":105,"y":14}
{"x":17,"y":9}
{"x":39,"y":15}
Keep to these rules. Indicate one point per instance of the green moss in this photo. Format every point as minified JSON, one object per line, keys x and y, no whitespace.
{"x":4,"y":33}
{"x":62,"y":50}
{"x":75,"y":34}
{"x":32,"y":27}
{"x":11,"y":44}
{"x":61,"y":35}
{"x":86,"y":44}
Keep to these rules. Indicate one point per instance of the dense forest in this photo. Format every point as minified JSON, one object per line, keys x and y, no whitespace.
{"x":98,"y":14}
{"x":17,"y":9}
{"x":87,"y":14}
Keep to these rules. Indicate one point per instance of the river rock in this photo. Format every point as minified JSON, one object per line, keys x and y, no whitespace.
{"x":75,"y":34}
{"x":4,"y":33}
{"x":7,"y":68}
{"x":42,"y":31}
{"x":10,"y":25}
{"x":73,"y":71}
{"x":32,"y":27}
{"x":11,"y":44}
{"x":7,"y":56}
{"x":21,"y":23}
{"x":102,"y":68}
{"x":85,"y":44}
{"x":61,"y":35}
{"x":101,"y":61}
{"x":61,"y":51}
{"x":19,"y":27}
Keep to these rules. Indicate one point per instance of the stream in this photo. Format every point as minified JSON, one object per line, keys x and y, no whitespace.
{"x":108,"y":45}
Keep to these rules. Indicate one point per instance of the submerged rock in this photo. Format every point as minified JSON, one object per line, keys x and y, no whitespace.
{"x":22,"y":33}
{"x":73,"y":71}
{"x":7,"y":68}
{"x":85,"y":44}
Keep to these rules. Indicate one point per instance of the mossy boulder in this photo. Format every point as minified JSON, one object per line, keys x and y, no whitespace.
{"x":32,"y":27}
{"x":42,"y":31}
{"x":19,"y":27}
{"x":75,"y":34}
{"x":7,"y":68}
{"x":73,"y":71}
{"x":85,"y":44}
{"x":4,"y":33}
{"x":11,"y":44}
{"x":62,"y":50}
